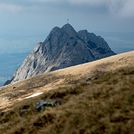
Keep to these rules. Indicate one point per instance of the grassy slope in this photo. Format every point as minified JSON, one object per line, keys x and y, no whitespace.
{"x":95,"y":98}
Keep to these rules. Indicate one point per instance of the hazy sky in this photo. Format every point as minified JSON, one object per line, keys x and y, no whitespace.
{"x":23,"y":22}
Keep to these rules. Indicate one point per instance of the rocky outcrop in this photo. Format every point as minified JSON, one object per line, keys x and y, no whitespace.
{"x":62,"y":48}
{"x":97,"y":45}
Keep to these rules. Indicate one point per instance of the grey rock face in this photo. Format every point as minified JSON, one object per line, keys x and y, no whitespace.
{"x":97,"y":45}
{"x":63,"y":47}
{"x":42,"y":104}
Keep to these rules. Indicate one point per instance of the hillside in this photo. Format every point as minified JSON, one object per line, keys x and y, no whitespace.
{"x":92,"y":98}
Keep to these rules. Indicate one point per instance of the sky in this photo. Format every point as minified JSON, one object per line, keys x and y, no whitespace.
{"x":25,"y":22}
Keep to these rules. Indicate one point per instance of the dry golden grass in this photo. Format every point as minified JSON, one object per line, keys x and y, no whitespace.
{"x":95,"y":99}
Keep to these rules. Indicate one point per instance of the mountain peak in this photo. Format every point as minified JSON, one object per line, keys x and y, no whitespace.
{"x":64,"y":47}
{"x":68,"y":28}
{"x":83,"y":31}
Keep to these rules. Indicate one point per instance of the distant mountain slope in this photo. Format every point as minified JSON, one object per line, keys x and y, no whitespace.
{"x":63,"y":47}
{"x":96,"y":97}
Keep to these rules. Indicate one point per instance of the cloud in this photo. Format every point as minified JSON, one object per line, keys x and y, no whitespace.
{"x":10,"y":7}
{"x":128,"y":9}
{"x":122,"y":8}
{"x":88,"y":2}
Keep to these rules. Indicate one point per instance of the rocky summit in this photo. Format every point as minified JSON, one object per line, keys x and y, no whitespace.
{"x":62,"y":48}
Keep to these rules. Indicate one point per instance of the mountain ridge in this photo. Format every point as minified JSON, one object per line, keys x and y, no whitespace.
{"x":62,"y":48}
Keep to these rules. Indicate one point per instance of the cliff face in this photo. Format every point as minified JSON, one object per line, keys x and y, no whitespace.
{"x":97,"y":45}
{"x":63,"y":47}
